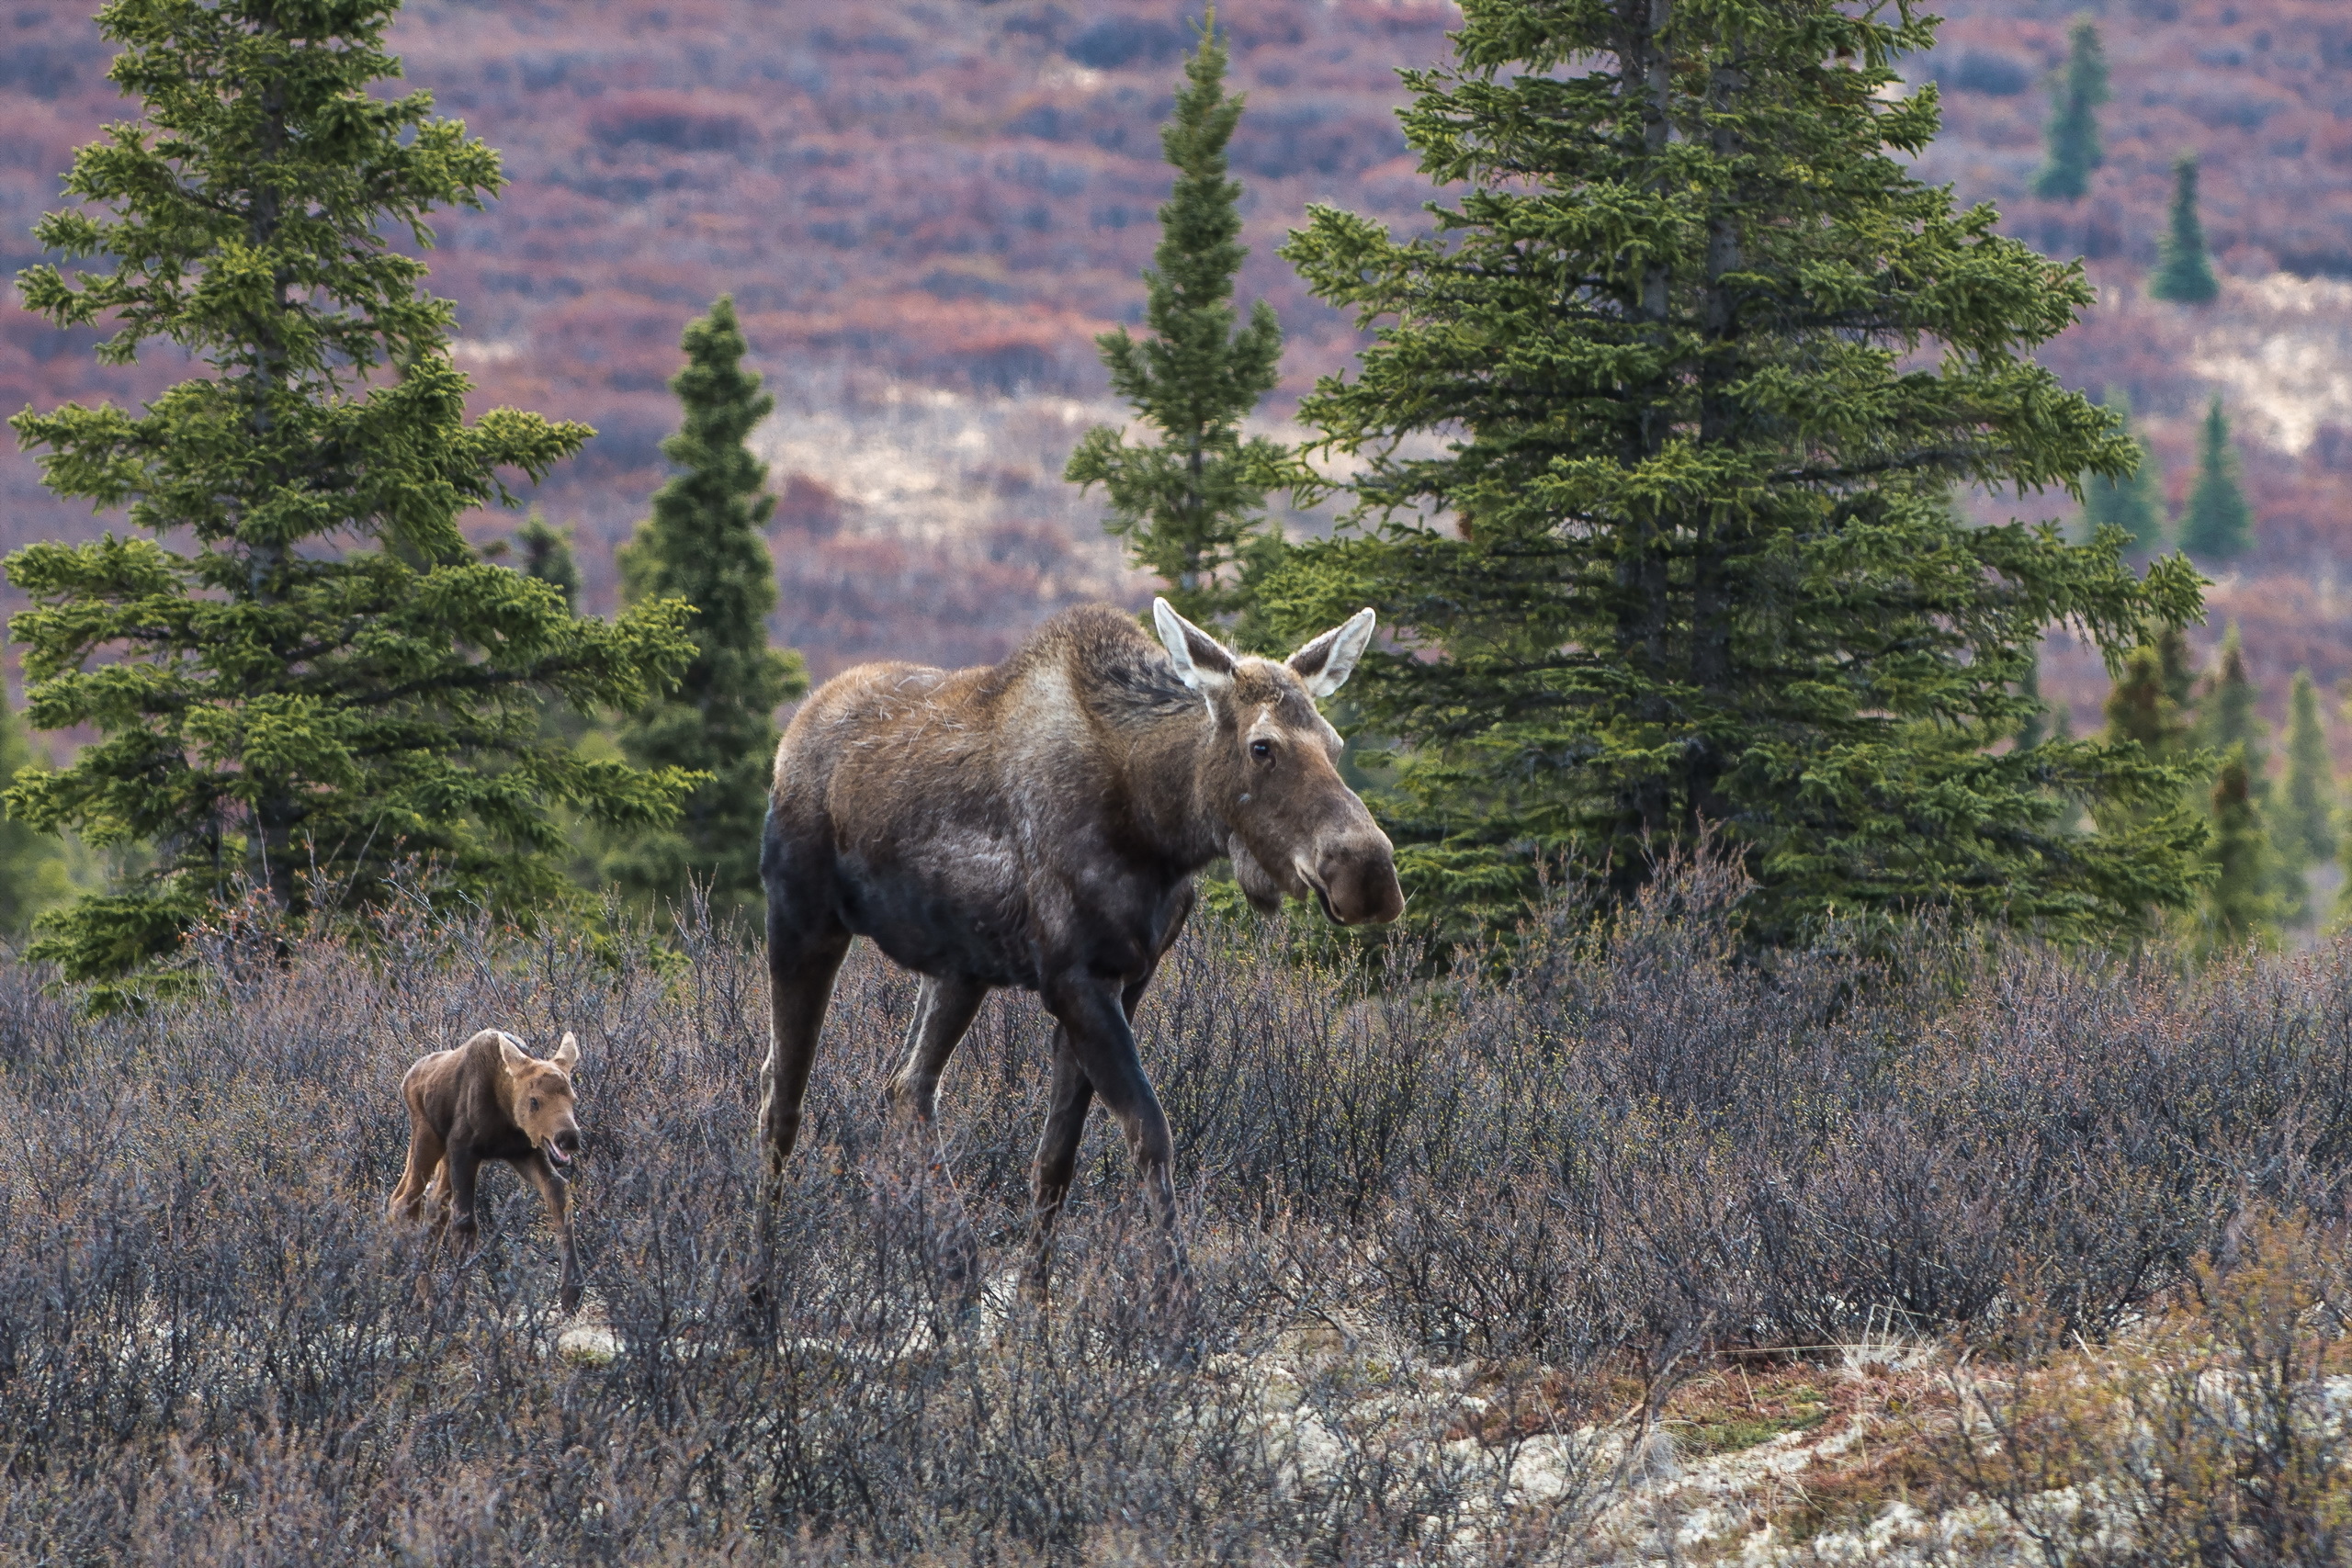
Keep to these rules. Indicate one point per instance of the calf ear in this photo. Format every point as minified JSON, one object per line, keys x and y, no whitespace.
{"x":567,"y":1055}
{"x":514,"y":1055}
{"x":1325,"y":663}
{"x":1202,"y":663}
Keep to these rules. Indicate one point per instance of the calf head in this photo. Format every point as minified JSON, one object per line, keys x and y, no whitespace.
{"x":542,"y":1095}
{"x":1269,"y":771}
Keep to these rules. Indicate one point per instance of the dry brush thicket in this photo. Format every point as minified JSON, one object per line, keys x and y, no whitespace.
{"x":1523,"y":1201}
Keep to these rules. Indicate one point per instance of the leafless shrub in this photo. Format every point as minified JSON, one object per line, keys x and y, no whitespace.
{"x":2219,"y":1433}
{"x":1578,"y":1163}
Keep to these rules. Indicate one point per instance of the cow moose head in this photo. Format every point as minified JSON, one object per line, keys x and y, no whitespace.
{"x":1269,"y":771}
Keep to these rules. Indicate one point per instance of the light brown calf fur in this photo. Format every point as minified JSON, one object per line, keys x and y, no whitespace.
{"x":490,"y":1100}
{"x":1038,"y":825}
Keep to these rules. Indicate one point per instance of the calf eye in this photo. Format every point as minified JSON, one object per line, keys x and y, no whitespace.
{"x":535,"y":1102}
{"x":1261,"y":750}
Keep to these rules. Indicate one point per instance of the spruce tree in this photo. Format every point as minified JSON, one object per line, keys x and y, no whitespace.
{"x":2147,"y":719}
{"x":34,"y":874}
{"x":2229,"y":724}
{"x":2306,"y":830}
{"x":1656,"y":460}
{"x":2135,"y":503}
{"x":2218,"y":524}
{"x":1190,"y":504}
{"x":297,"y":666}
{"x":705,"y":544}
{"x":2242,"y":903}
{"x":547,"y":557}
{"x":2228,"y":719}
{"x":2184,"y":272}
{"x":2073,"y":133}
{"x":2177,"y":663}
{"x":2034,"y":727}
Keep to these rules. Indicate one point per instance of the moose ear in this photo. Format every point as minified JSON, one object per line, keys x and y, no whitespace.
{"x":512,"y":1054}
{"x":1325,"y":663}
{"x":1202,"y":663}
{"x":567,"y":1055}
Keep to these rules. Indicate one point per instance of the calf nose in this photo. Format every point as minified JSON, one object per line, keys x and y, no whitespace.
{"x":567,"y":1139}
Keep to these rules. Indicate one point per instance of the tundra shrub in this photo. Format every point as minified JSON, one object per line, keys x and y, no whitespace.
{"x":1614,"y":1147}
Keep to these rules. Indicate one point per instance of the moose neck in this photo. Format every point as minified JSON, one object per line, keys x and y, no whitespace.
{"x":1170,"y":784}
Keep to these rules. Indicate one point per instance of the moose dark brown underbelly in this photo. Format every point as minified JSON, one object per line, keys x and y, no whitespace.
{"x":1037,"y":824}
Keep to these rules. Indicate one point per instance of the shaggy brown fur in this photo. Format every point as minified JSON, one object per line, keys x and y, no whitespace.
{"x":490,"y":1100}
{"x":1038,"y":824}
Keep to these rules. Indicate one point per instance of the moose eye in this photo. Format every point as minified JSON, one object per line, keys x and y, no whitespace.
{"x":535,"y":1102}
{"x":1261,"y":750}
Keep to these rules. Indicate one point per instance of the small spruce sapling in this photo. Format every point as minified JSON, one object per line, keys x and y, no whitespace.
{"x":2218,"y":525}
{"x":1190,"y":504}
{"x":706,"y":545}
{"x":2306,"y":828}
{"x":2072,"y":139}
{"x":2133,"y":502}
{"x":2184,"y":272}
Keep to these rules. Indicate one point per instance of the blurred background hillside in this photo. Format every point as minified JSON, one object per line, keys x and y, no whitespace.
{"x":926,"y":212}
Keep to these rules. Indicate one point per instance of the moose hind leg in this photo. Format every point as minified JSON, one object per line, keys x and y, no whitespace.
{"x":801,"y":967}
{"x":407,"y":1205}
{"x":944,"y":1012}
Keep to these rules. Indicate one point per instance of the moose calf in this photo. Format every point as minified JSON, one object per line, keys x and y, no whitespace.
{"x":490,"y":1100}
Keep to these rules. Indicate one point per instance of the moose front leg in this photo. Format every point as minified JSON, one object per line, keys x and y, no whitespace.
{"x":557,"y":1191}
{"x":463,"y":1165}
{"x":1093,"y":1014}
{"x":1072,"y":1097}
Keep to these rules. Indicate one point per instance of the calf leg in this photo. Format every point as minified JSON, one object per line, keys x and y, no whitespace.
{"x":464,"y":1164}
{"x":944,"y":1012}
{"x":556,"y":1192}
{"x":407,"y":1205}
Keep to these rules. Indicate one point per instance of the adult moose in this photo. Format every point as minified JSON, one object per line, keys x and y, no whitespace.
{"x":1038,"y":824}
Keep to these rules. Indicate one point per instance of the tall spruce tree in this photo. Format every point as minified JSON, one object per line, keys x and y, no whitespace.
{"x":2072,"y":138}
{"x":1190,"y":504}
{"x":1687,"y":557}
{"x":2134,"y":502}
{"x":2218,"y":524}
{"x":2184,"y":272}
{"x":2305,"y":828}
{"x":704,"y":544}
{"x":305,"y":669}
